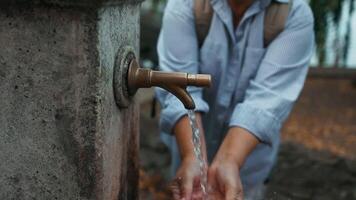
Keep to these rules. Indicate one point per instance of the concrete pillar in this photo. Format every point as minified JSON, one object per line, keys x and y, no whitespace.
{"x":62,"y":136}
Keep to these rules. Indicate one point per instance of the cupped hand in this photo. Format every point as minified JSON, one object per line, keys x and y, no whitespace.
{"x":186,"y":185}
{"x":224,"y":181}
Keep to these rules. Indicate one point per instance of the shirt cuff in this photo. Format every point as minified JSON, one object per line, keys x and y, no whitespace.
{"x":259,"y":122}
{"x":174,"y":109}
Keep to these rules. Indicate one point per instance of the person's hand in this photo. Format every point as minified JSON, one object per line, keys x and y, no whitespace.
{"x":224,"y":180}
{"x":186,"y":185}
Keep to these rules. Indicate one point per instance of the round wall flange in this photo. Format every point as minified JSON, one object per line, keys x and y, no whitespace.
{"x":122,"y":62}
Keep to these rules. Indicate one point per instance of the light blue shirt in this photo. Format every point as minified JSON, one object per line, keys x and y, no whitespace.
{"x":253,"y":87}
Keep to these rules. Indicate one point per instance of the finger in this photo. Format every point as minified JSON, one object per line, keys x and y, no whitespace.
{"x":197,"y":193}
{"x":234,"y":193}
{"x":176,"y":195}
{"x":187,"y":188}
{"x":212,"y":184}
{"x":174,"y":188}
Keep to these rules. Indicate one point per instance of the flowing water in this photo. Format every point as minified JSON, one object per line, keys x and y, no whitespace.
{"x":198,"y":151}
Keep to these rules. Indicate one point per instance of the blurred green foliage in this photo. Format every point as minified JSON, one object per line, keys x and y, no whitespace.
{"x":328,"y":16}
{"x":327,"y":13}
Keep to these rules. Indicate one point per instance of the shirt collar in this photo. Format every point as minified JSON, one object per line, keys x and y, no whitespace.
{"x":223,"y":10}
{"x":265,"y":3}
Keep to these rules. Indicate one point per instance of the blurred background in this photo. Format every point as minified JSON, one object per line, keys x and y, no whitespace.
{"x":318,"y":155}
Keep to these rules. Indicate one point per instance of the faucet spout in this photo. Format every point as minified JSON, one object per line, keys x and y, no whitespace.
{"x":174,"y":82}
{"x":182,"y":95}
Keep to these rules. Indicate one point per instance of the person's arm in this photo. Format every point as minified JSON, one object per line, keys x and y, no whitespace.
{"x":271,"y":95}
{"x":178,"y":51}
{"x":189,"y":170}
{"x":223,"y":175}
{"x":237,"y":145}
{"x":268,"y":100}
{"x":184,"y":137}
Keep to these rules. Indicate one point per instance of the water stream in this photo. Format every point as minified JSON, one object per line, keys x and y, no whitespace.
{"x":198,"y":151}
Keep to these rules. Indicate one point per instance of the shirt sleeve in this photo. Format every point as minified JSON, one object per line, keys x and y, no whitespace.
{"x":271,"y":94}
{"x":178,"y":51}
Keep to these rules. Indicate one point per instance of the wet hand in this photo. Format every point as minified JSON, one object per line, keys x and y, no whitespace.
{"x":186,"y":185}
{"x":223,"y":175}
{"x":224,"y":180}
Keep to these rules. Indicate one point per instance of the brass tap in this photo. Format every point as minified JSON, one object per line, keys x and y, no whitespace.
{"x":174,"y":82}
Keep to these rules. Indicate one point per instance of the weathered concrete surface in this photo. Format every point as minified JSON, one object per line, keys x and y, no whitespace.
{"x":61,"y":134}
{"x":118,"y":28}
